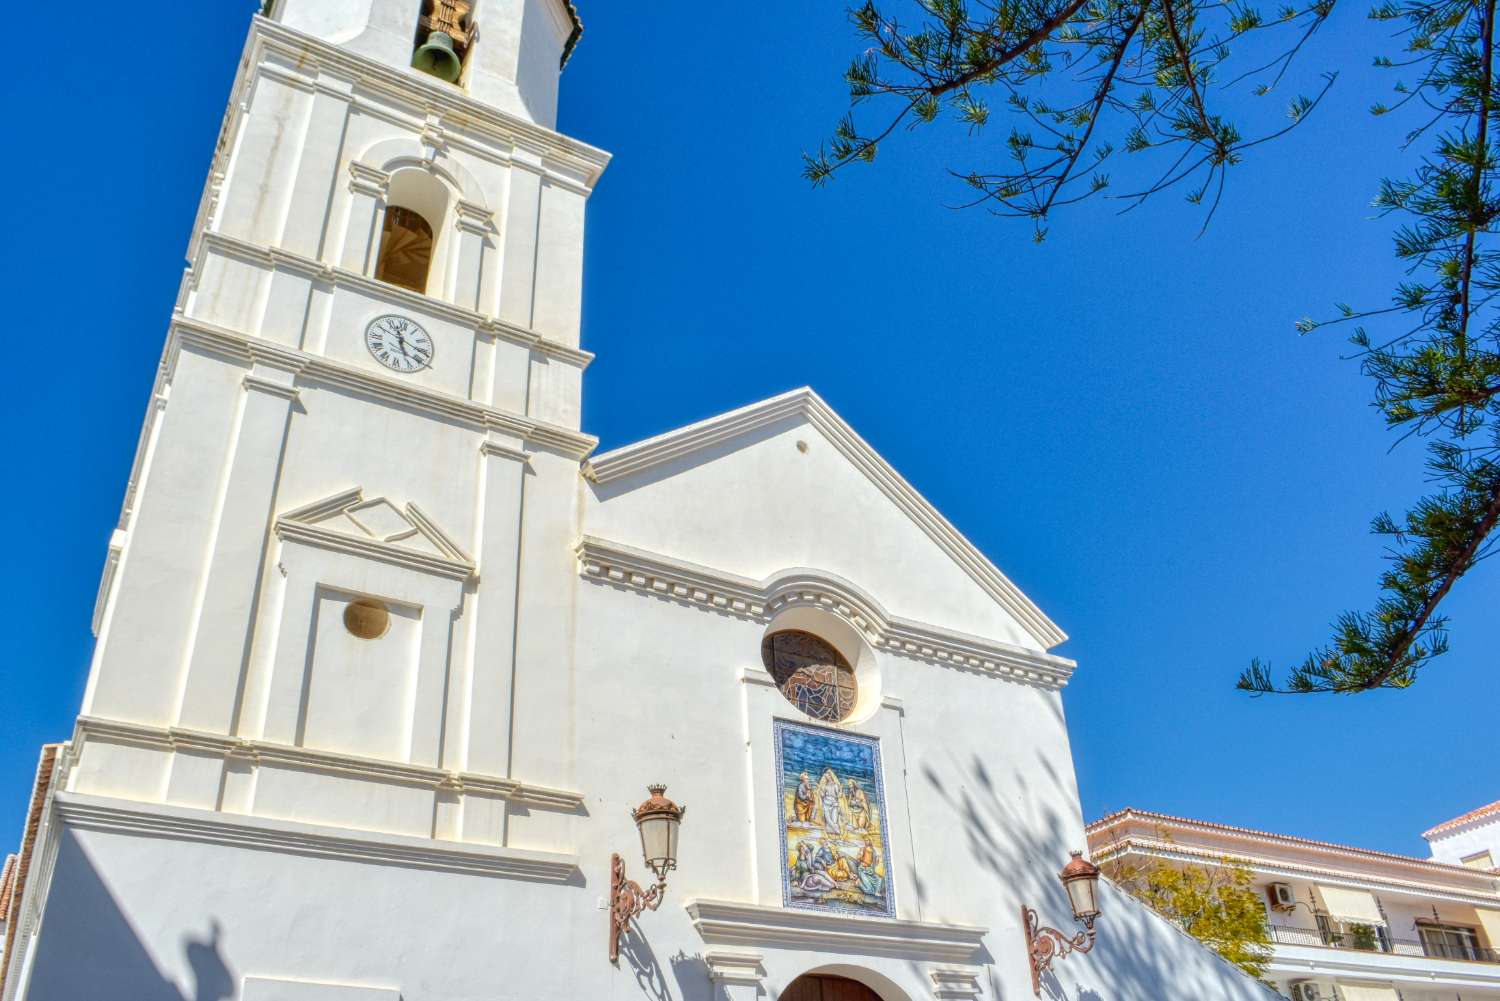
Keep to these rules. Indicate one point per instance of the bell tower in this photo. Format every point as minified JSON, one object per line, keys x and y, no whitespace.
{"x":505,"y":53}
{"x":363,"y":438}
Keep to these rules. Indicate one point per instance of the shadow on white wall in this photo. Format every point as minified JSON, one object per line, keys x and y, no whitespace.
{"x":97,"y":945}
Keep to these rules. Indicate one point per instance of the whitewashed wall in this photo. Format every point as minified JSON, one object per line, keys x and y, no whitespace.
{"x":255,"y":806}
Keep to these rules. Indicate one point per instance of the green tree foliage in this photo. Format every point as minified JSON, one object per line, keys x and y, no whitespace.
{"x":1215,"y":904}
{"x":1083,"y":84}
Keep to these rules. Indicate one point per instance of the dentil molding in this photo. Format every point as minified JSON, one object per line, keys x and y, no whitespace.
{"x":717,"y":590}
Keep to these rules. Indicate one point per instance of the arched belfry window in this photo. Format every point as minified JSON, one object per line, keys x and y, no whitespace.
{"x":813,"y":676}
{"x":405,"y":249}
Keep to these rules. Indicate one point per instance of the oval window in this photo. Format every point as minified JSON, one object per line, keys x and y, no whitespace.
{"x":813,"y":676}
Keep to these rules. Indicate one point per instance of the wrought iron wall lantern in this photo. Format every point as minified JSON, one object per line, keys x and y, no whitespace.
{"x":658,"y":820}
{"x":1043,"y":945}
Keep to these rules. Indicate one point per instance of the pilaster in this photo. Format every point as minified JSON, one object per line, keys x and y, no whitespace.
{"x":473,"y":225}
{"x":503,"y":468}
{"x":736,"y":976}
{"x":227,"y":594}
{"x":312,"y":187}
{"x":369,"y":188}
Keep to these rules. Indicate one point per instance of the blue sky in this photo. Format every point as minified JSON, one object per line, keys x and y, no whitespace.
{"x":1123,"y":418}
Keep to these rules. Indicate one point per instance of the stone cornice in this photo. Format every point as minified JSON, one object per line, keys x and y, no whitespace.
{"x":317,"y":369}
{"x":807,"y":405}
{"x":307,"y":267}
{"x":243,"y":748}
{"x":721,"y":922}
{"x":384,"y":552}
{"x":311,"y":54}
{"x":716,"y":590}
{"x":101,"y":813}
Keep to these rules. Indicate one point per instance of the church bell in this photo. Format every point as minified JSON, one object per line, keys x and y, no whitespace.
{"x":437,"y":57}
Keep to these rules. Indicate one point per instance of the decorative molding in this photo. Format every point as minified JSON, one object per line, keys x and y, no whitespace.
{"x":314,"y":369}
{"x":950,"y":984}
{"x":721,"y":922}
{"x":575,"y":163}
{"x":367,"y":180}
{"x":716,"y":590}
{"x":267,"y":752}
{"x":107,"y":578}
{"x":285,"y":260}
{"x":807,"y":405}
{"x":471,"y":218}
{"x":735,"y":968}
{"x":103,"y":813}
{"x":255,"y":383}
{"x":498,"y":450}
{"x":367,"y":548}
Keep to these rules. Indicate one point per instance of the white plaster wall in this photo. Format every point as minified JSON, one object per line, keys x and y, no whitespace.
{"x":822,"y":511}
{"x":1471,"y":839}
{"x":257,"y":799}
{"x":978,"y":781}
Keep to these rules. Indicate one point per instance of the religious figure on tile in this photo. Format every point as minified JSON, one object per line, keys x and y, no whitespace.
{"x":834,"y":837}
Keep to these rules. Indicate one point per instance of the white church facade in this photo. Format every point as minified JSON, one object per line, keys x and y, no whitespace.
{"x":386,"y":653}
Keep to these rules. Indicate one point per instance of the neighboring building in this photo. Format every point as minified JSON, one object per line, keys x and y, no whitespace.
{"x":1471,"y":840}
{"x":1346,"y":923}
{"x":385,"y":653}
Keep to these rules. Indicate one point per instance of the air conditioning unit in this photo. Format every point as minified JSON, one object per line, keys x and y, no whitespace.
{"x":1306,"y":990}
{"x":1282,"y":897}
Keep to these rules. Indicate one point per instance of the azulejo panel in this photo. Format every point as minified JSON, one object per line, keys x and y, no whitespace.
{"x":834,"y":847}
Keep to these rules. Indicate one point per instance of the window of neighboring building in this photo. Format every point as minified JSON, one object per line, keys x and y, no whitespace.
{"x":1479,"y":860}
{"x":813,"y":676}
{"x":1353,"y":935}
{"x":405,"y":249}
{"x":1449,"y":941}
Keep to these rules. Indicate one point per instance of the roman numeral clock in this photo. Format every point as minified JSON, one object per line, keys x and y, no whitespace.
{"x":399,"y":343}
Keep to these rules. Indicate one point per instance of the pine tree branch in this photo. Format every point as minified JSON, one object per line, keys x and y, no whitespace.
{"x":1192,"y":79}
{"x":1100,"y":96}
{"x":1456,"y":567}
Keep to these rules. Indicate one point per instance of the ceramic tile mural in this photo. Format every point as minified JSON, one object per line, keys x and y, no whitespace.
{"x":833,"y":822}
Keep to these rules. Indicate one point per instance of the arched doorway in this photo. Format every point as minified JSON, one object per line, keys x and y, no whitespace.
{"x":824,"y":987}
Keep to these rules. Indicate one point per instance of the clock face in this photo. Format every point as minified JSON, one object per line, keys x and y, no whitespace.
{"x":399,"y":343}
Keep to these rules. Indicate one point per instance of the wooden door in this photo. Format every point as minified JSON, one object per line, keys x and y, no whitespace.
{"x":815,"y":987}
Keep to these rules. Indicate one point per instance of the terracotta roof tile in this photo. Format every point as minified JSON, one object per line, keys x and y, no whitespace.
{"x":1448,"y":825}
{"x":1100,"y":825}
{"x":7,"y":882}
{"x":44,"y":771}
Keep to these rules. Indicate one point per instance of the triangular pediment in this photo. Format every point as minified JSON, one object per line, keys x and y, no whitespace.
{"x":377,"y":520}
{"x":841,"y":490}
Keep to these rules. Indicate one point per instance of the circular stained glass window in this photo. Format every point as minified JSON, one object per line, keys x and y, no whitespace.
{"x":812,"y":675}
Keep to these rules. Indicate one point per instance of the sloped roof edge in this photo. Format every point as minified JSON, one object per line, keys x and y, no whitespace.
{"x":643,"y":455}
{"x":577,"y":33}
{"x":1131,"y":813}
{"x":1493,"y":809}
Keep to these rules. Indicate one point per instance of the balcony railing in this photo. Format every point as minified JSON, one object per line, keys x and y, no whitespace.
{"x":1287,"y":935}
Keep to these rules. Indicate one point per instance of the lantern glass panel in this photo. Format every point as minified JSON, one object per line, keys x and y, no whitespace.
{"x":656,"y":839}
{"x":1081,"y":893}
